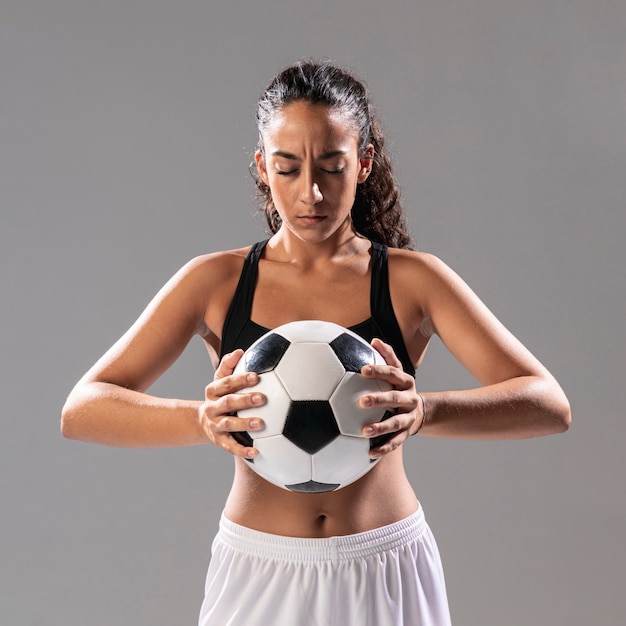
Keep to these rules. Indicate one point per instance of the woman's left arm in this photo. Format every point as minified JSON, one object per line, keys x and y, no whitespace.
{"x":517,"y":397}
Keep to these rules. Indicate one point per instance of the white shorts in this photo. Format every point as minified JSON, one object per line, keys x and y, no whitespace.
{"x":390,"y":576}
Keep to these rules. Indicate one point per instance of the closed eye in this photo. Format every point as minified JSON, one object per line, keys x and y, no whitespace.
{"x":339,"y":170}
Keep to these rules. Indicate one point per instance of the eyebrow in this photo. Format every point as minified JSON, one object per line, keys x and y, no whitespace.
{"x":322,"y":157}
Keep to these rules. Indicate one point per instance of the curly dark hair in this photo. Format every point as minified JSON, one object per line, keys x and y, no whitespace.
{"x":376,"y":213}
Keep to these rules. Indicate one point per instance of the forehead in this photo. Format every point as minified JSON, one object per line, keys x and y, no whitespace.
{"x":302,"y":121}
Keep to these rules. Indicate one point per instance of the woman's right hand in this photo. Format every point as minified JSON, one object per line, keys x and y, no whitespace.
{"x":223,"y":398}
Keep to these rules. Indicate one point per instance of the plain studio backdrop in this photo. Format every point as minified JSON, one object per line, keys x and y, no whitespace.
{"x":126,"y":130}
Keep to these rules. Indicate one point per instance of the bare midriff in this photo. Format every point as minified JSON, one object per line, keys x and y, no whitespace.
{"x":383,"y":496}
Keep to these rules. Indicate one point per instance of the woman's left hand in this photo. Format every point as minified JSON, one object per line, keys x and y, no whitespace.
{"x":402,"y":399}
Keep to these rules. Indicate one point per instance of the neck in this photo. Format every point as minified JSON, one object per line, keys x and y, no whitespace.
{"x":289,"y":247}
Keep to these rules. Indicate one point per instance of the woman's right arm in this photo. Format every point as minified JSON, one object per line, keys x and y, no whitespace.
{"x":110,"y":406}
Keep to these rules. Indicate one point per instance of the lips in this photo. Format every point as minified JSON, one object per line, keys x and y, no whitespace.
{"x":311,"y":219}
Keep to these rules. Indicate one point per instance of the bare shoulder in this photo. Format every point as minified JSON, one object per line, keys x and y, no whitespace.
{"x":413,"y":279}
{"x":424,"y":264}
{"x":200,"y":286}
{"x":453,"y":311}
{"x":422,"y":276}
{"x":200,"y":279}
{"x":207,"y":283}
{"x":214,"y":266}
{"x":192,"y":302}
{"x":442,"y":299}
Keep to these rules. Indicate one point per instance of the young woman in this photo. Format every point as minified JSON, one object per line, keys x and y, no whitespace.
{"x":340,"y":252}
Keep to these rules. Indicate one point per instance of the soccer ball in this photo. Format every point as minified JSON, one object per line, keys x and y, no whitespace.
{"x":309,"y":372}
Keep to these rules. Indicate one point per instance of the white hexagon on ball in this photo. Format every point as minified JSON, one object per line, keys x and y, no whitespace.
{"x":294,"y":466}
{"x":302,"y":331}
{"x":345,"y":403}
{"x":342,"y":461}
{"x":274,"y":411}
{"x":310,"y":371}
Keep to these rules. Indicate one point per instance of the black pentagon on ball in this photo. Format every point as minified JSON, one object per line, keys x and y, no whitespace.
{"x":265,"y":355}
{"x":310,"y":425}
{"x":311,"y":486}
{"x":352,"y":352}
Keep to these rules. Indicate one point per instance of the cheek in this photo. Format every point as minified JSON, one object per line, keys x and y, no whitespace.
{"x":340,"y":192}
{"x":351,"y":187}
{"x":281,"y":194}
{"x":278,"y":186}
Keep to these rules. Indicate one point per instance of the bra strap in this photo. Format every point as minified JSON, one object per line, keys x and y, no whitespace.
{"x":382,"y":308}
{"x":241,"y":306}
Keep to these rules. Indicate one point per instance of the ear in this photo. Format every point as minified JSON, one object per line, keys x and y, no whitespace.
{"x":259,"y":160}
{"x":366,"y":161}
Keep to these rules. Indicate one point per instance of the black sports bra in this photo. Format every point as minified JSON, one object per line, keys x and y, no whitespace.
{"x":241,"y":332}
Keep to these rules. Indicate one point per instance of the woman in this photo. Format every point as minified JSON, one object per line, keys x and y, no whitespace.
{"x":352,"y":556}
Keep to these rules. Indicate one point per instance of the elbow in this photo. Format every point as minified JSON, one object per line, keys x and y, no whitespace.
{"x":561,"y":413}
{"x":552,"y":409}
{"x":70,"y":419}
{"x":66,"y":422}
{"x":566,"y":416}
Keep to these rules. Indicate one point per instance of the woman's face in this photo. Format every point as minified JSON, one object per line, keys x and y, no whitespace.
{"x":312,"y":165}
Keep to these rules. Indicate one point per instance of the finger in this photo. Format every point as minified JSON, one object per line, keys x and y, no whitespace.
{"x":396,"y":377}
{"x":387,"y":352}
{"x":232,"y":403}
{"x":222,"y":429}
{"x":397,"y":399}
{"x":232,"y":424}
{"x":395,"y":422}
{"x":230,"y":384}
{"x":227,"y":442}
{"x":393,"y":443}
{"x":228,"y":363}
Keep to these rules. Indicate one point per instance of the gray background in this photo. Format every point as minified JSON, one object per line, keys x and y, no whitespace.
{"x":126,"y":129}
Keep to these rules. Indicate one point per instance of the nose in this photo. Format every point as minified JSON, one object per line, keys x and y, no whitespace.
{"x":311,"y":193}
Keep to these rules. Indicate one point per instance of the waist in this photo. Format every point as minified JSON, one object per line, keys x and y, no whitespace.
{"x":335,"y":548}
{"x":381,"y":497}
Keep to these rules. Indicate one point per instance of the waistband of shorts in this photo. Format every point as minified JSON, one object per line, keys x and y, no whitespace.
{"x":303,"y":549}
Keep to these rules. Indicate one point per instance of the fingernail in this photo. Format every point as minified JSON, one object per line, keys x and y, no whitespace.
{"x":255,"y":424}
{"x":367,"y":370}
{"x":257,"y":398}
{"x":369,"y":431}
{"x":365,"y":401}
{"x":252,"y":453}
{"x":251,"y":377}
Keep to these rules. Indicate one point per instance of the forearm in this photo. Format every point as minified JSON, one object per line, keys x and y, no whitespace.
{"x":107,"y":414}
{"x":523,"y":407}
